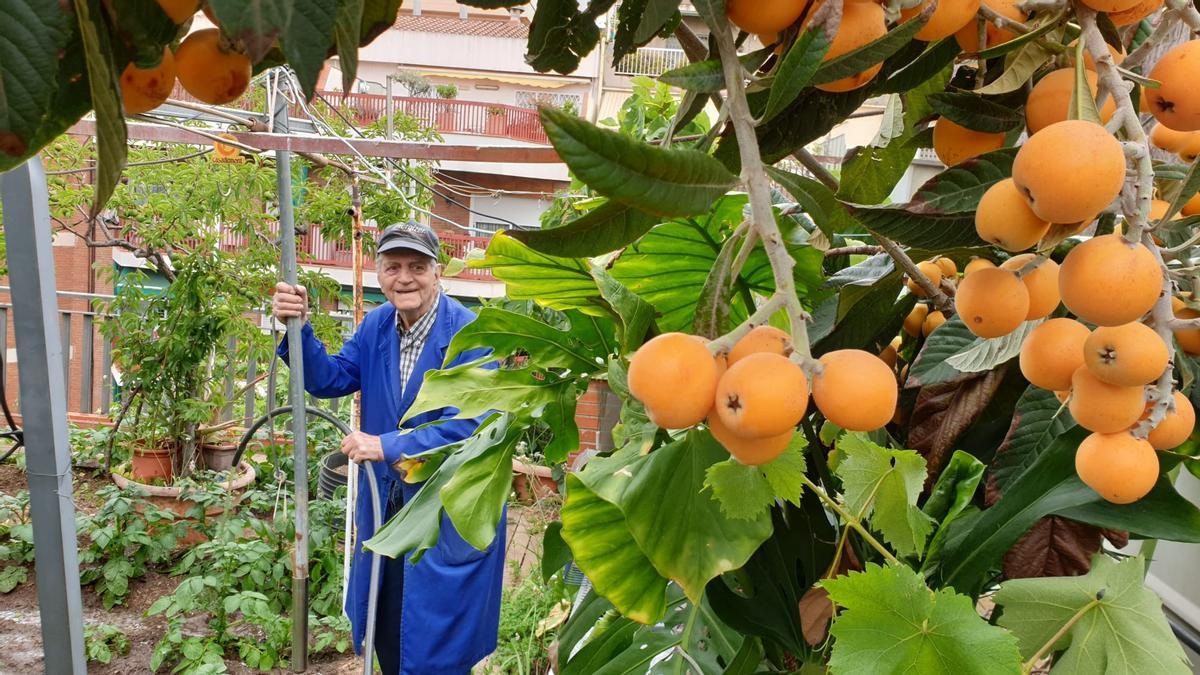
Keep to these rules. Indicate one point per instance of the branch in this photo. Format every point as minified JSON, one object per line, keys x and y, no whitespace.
{"x":762,"y":216}
{"x":1187,"y":12}
{"x":1162,"y":32}
{"x":853,"y":250}
{"x":939,"y":299}
{"x":1001,"y":21}
{"x":1136,"y":147}
{"x":817,"y":169}
{"x":849,"y":519}
{"x":1163,"y":316}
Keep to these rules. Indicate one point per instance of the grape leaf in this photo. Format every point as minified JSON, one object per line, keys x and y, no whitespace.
{"x":893,"y":623}
{"x":1123,"y":632}
{"x":740,"y":489}
{"x":882,"y":485}
{"x":785,"y":473}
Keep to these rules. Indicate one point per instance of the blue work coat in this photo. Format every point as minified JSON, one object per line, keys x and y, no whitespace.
{"x":451,"y":598}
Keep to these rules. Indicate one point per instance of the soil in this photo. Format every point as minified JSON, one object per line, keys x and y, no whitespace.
{"x":20,"y":620}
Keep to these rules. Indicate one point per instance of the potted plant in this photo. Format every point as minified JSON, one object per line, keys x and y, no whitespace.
{"x":497,"y":121}
{"x":533,"y":477}
{"x":447,"y":117}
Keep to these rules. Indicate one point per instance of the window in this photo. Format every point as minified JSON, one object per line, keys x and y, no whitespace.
{"x":483,"y":227}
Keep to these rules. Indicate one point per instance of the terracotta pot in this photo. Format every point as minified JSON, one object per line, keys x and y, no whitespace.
{"x":168,"y":498}
{"x":532,"y":482}
{"x":151,"y":463}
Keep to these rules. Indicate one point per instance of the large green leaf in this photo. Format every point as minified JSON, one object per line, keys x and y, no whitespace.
{"x":475,"y":390}
{"x":873,"y":52}
{"x":416,"y":528}
{"x":667,"y":182}
{"x":1039,"y":419}
{"x":1118,"y":624}
{"x":1020,"y":68}
{"x":1050,"y":487}
{"x":761,"y":598}
{"x":881,"y":485}
{"x":605,"y":228}
{"x":818,"y":201}
{"x":869,"y":174}
{"x":307,"y":38}
{"x":690,"y":637}
{"x":635,"y":315}
{"x":930,"y":367}
{"x":257,"y":23}
{"x":931,"y":62}
{"x":681,"y":527}
{"x":949,"y":500}
{"x":976,"y":112}
{"x":959,"y":188}
{"x":637,"y":23}
{"x":921,"y":230}
{"x":346,"y":29}
{"x":891,"y":623}
{"x":707,"y":77}
{"x":508,"y":333}
{"x":31,"y":36}
{"x":872,"y":321}
{"x":987,"y":354}
{"x":605,"y":550}
{"x":559,"y":415}
{"x":475,"y":495}
{"x":377,"y":16}
{"x":557,"y":283}
{"x":560,"y":35}
{"x":106,"y":99}
{"x":803,"y":58}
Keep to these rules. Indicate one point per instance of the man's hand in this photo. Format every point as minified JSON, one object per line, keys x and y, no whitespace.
{"x":360,"y":447}
{"x":290,"y":301}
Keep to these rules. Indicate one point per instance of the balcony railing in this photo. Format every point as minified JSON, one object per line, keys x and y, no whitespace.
{"x":652,"y":61}
{"x":316,"y":249}
{"x":447,"y":116}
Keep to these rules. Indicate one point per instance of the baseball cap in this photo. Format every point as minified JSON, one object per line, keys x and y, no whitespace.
{"x":411,"y":235}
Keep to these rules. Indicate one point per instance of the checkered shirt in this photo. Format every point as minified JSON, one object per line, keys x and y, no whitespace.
{"x":412,"y":342}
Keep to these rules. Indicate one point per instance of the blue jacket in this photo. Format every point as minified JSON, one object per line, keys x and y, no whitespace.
{"x":451,"y":603}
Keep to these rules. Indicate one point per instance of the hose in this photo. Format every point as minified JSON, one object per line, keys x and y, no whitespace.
{"x":376,"y":503}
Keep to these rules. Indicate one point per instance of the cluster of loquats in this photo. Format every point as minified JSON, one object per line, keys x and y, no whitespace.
{"x":753,"y":396}
{"x":206,"y":63}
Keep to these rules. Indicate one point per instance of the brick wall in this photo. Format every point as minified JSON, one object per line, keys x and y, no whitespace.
{"x":596,"y":413}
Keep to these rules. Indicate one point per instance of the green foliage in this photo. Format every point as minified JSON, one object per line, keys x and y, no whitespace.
{"x":103,"y":641}
{"x":891,"y":622}
{"x":16,"y":540}
{"x":127,"y":536}
{"x":882,"y":486}
{"x":527,"y":625}
{"x":746,"y":492}
{"x":1116,"y":623}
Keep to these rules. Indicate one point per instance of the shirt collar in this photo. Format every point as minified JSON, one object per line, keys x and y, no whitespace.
{"x":422,"y":325}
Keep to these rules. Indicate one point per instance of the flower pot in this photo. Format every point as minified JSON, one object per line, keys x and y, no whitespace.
{"x":152,"y":463}
{"x":532,"y":482}
{"x":218,"y":457}
{"x":334,"y":470}
{"x":170,"y":498}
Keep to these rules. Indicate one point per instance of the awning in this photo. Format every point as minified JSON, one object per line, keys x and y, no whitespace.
{"x":538,"y":82}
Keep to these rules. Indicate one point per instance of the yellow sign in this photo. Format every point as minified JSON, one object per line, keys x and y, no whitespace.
{"x":223,"y":153}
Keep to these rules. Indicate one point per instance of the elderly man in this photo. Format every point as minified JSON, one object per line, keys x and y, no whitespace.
{"x":441,"y":615}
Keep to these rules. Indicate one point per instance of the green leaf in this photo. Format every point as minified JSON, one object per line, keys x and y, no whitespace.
{"x":690,"y":637}
{"x":31,"y":37}
{"x":1082,"y":105}
{"x":508,"y":333}
{"x":707,"y":77}
{"x":604,"y":548}
{"x":1038,"y":420}
{"x":700,"y":541}
{"x":933,"y":61}
{"x":258,"y":23}
{"x":959,"y":188}
{"x":605,"y":228}
{"x":635,"y":314}
{"x":475,"y":390}
{"x":803,"y":58}
{"x":555,"y":552}
{"x":872,"y":321}
{"x":882,"y":485}
{"x":818,"y":201}
{"x":976,"y":112}
{"x":106,"y":98}
{"x":1119,"y":626}
{"x":713,"y":305}
{"x":1188,"y":188}
{"x":557,"y":283}
{"x":1028,"y":60}
{"x":559,"y":416}
{"x":474,"y":496}
{"x":416,"y":528}
{"x":930,"y":367}
{"x":667,"y":182}
{"x":1041,"y":26}
{"x":742,"y":491}
{"x":920,"y":230}
{"x":954,"y":488}
{"x":987,"y":354}
{"x":873,"y":52}
{"x":785,"y":473}
{"x":346,"y":28}
{"x":378,"y":16}
{"x":870,"y":174}
{"x":307,"y":38}
{"x":893,"y":623}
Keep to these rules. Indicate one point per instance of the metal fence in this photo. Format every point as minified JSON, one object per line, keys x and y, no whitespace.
{"x":653,"y":61}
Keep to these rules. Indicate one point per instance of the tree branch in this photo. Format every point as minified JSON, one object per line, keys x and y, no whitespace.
{"x":854,"y":250}
{"x":1187,"y":13}
{"x":1162,"y":316}
{"x":939,"y":299}
{"x":817,"y":169}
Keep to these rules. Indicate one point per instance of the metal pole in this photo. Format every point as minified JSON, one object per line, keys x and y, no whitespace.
{"x":44,"y":411}
{"x":390,"y":107}
{"x":287,"y":232}
{"x":356,"y":405}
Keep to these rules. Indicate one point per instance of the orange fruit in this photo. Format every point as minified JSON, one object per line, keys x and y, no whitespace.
{"x":675,"y":377}
{"x":145,"y":90}
{"x":1120,"y":468}
{"x":756,"y":16}
{"x":1129,"y":355}
{"x":209,"y":71}
{"x":1177,"y":102}
{"x":763,"y":338}
{"x":1176,"y":427}
{"x":749,"y":451}
{"x":992,"y":302}
{"x":855,"y":390}
{"x":1052,"y":353}
{"x":1102,"y":407}
{"x":1003,"y":218}
{"x":1070,"y":170}
{"x":954,"y":144}
{"x":1041,"y":282}
{"x":1108,"y":282}
{"x":761,"y":396}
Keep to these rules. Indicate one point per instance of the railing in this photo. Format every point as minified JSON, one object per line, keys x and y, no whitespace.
{"x":653,"y":61}
{"x":447,"y":116}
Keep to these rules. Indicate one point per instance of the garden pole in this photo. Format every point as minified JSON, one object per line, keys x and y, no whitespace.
{"x":356,"y":404}
{"x":44,"y":413}
{"x":287,"y":233}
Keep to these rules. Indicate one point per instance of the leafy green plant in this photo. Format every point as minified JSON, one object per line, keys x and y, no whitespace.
{"x":103,"y":641}
{"x":447,"y":91}
{"x":16,"y":540}
{"x":127,"y":536}
{"x":529,"y":614}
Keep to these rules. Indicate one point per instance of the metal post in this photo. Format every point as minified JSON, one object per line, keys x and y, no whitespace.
{"x":390,"y":108}
{"x":287,"y":233}
{"x":356,"y":401}
{"x":44,"y":411}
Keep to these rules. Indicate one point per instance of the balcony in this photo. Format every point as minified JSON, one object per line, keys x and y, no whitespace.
{"x":315,"y":249}
{"x":652,"y":61}
{"x":496,"y":120}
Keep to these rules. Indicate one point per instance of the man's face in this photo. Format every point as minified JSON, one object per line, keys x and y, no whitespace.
{"x":409,"y":280}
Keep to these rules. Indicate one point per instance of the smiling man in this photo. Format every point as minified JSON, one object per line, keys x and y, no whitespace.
{"x":441,"y":615}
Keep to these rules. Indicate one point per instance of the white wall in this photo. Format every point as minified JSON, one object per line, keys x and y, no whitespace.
{"x":472,"y":52}
{"x":520,"y":210}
